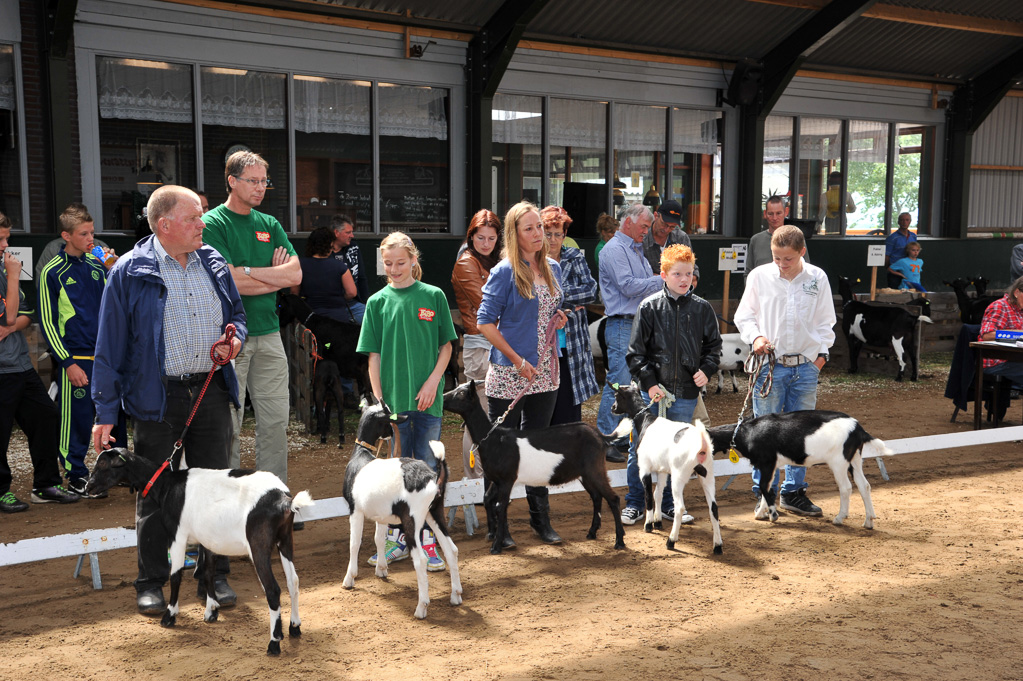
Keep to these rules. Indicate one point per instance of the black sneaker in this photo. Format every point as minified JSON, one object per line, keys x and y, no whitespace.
{"x":800,"y":504}
{"x":11,"y":504}
{"x":630,"y":515}
{"x":53,"y":495}
{"x":77,"y":485}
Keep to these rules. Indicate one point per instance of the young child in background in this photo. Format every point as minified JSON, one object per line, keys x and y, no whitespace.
{"x":407,"y":333}
{"x":675,"y":347}
{"x":909,"y":268}
{"x":70,"y":289}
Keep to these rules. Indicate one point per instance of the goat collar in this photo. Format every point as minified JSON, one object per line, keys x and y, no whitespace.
{"x":375,"y":449}
{"x":152,"y":480}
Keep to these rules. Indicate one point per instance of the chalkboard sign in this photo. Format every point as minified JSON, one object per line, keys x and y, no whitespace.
{"x":412,"y":195}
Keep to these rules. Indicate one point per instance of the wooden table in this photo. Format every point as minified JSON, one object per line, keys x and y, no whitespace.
{"x":989,"y":350}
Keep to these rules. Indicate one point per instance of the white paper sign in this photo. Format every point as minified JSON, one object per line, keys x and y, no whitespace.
{"x":740,"y":258}
{"x":875,"y":255}
{"x":727,"y":260}
{"x":24,"y":254}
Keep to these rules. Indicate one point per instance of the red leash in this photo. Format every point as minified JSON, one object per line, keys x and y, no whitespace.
{"x":217,"y":361}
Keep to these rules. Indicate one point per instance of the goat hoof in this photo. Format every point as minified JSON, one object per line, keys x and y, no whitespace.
{"x":774,"y":516}
{"x":838,"y":520}
{"x":658,"y":525}
{"x":619,"y":544}
{"x":349,"y":582}
{"x":591,"y":535}
{"x":670,"y":544}
{"x":213,"y":615}
{"x":421,"y":612}
{"x":717,"y":549}
{"x":167,"y":620}
{"x":295,"y":630}
{"x":323,"y":439}
{"x":495,"y":550}
{"x":274,"y":648}
{"x":649,"y":527}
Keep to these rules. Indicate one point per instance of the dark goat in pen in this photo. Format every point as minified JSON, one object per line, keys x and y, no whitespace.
{"x":971,"y":310}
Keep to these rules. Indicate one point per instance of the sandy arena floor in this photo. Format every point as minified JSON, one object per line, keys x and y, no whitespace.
{"x":934,"y":592}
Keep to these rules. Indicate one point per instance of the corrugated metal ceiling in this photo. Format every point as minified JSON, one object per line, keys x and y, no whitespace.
{"x":733,"y":29}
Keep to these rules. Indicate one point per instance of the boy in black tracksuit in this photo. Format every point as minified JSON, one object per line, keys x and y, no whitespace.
{"x":675,"y":346}
{"x":70,"y":290}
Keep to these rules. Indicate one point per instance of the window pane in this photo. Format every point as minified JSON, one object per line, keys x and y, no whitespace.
{"x":146,"y":134}
{"x":333,"y":152}
{"x":414,"y":158}
{"x":775,"y":180}
{"x":10,"y":141}
{"x":578,"y":144}
{"x":914,"y":161}
{"x":820,"y":158}
{"x":868,"y":165}
{"x":640,"y":135}
{"x":696,"y":168}
{"x":517,"y":159}
{"x":246,"y":109}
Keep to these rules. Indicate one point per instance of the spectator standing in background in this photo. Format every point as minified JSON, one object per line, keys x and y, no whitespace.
{"x":895,"y":247}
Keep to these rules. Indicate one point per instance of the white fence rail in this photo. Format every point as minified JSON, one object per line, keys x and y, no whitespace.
{"x":462,"y":493}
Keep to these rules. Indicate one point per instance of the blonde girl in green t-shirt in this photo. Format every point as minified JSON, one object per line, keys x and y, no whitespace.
{"x":407,"y":333}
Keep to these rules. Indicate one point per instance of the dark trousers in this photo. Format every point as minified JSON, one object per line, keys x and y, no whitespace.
{"x":77,"y":414}
{"x":23,"y":400}
{"x":207,"y":445}
{"x":565,"y":409}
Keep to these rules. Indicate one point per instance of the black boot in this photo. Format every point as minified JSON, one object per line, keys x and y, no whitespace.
{"x":540,"y":515}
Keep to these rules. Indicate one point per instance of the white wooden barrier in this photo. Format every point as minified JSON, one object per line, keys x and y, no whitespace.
{"x":462,"y":493}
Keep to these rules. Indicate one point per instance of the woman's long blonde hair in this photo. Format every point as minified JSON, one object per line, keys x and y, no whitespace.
{"x":523,"y":275}
{"x":402,"y":240}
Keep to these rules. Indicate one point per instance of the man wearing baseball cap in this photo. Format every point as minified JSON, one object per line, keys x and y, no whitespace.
{"x":666,"y":230}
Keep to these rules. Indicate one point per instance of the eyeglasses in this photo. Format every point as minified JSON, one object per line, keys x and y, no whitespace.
{"x":254,"y":182}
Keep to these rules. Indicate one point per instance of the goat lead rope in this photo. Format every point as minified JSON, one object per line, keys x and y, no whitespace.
{"x":314,"y":350}
{"x":550,"y":343}
{"x":229,"y":332}
{"x":753,"y":365}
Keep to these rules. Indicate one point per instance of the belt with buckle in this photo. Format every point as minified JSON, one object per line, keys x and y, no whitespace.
{"x":621,"y":316}
{"x":189,"y":379}
{"x":793,"y":360}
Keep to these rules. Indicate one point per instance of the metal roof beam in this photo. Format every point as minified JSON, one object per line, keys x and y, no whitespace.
{"x":971,"y":104}
{"x":488,"y":55}
{"x":782,"y":62}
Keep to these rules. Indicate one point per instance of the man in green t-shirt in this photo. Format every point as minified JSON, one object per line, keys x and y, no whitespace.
{"x":262,"y":261}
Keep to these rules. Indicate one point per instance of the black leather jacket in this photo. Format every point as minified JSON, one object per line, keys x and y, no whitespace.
{"x":671,"y":341}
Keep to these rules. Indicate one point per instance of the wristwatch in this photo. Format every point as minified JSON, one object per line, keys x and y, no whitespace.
{"x":825,"y":356}
{"x":248,"y":271}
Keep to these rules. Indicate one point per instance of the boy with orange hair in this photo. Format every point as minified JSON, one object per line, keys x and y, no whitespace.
{"x":674,"y":348}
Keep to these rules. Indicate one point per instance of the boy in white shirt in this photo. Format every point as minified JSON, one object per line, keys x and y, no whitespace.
{"x":787,"y":306}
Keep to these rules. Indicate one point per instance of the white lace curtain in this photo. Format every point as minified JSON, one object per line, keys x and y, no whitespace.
{"x":159,"y":92}
{"x":7,"y":89}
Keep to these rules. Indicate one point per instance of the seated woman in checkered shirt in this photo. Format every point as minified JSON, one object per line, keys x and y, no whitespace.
{"x":1005,"y":314}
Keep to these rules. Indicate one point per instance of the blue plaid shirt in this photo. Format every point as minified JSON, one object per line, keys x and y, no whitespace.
{"x":192,"y":317}
{"x":578,"y":288}
{"x":625,"y":276}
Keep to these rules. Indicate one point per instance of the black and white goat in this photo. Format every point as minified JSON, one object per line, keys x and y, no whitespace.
{"x":327,"y":389}
{"x":400,"y":490}
{"x":664,"y":447}
{"x":734,"y":352}
{"x":971,"y":310}
{"x":805,"y":438}
{"x":879,"y":325}
{"x":227,"y":512}
{"x":549,"y":456}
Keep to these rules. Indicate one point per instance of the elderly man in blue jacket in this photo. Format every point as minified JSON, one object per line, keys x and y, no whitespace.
{"x":166,"y":304}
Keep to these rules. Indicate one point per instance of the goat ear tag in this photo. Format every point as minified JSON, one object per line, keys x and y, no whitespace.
{"x":733,"y":455}
{"x":614,"y":386}
{"x":394,"y":417}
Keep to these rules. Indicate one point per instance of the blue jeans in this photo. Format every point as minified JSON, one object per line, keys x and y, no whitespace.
{"x":681,"y":411}
{"x":416,"y":433}
{"x":616,"y":333}
{"x":1012,"y":371}
{"x":358,"y":310}
{"x":794,"y":389}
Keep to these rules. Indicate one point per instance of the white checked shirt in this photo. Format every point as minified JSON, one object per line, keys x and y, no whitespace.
{"x":192,"y":317}
{"x":798,"y":316}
